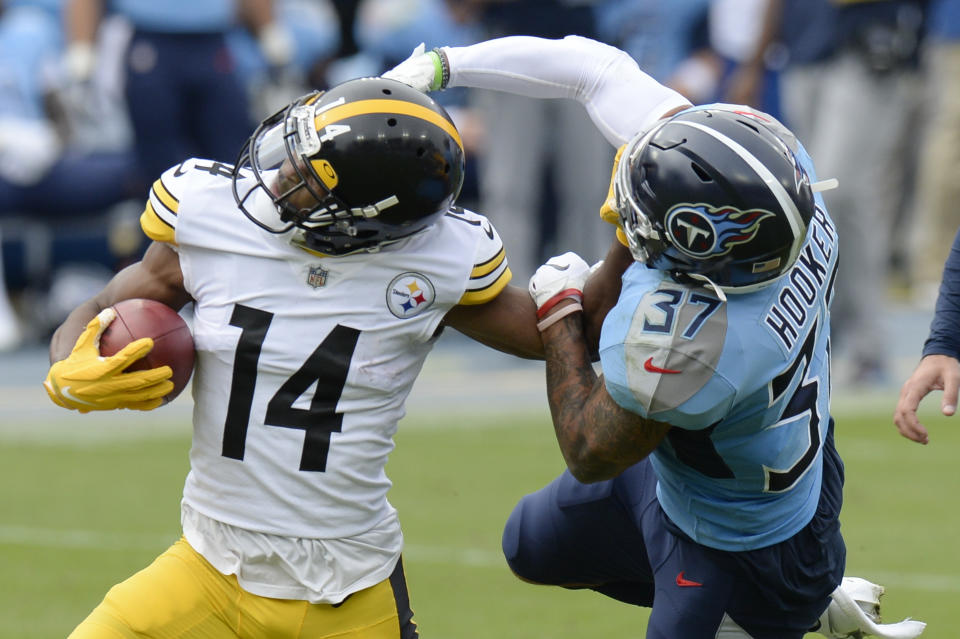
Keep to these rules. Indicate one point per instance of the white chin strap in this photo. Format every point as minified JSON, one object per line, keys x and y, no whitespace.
{"x":710,"y":283}
{"x":824,"y":185}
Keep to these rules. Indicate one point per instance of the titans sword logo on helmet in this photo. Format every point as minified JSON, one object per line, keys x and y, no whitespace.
{"x":700,"y":230}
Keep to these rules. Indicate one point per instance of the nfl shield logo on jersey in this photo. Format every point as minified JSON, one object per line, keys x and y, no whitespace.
{"x":317,"y":276}
{"x":409,"y":294}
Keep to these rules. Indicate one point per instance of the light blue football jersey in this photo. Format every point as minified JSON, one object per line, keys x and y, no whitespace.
{"x":746,"y":385}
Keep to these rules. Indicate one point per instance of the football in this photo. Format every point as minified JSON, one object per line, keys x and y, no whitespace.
{"x":172,"y":341}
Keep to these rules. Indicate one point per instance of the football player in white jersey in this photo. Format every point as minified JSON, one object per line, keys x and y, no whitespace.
{"x":703,"y":479}
{"x":321,"y":268}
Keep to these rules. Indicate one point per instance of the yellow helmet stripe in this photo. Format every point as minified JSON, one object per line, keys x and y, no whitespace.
{"x":400,"y":107}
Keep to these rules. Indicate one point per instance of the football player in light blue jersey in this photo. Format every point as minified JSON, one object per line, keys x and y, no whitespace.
{"x":702,"y":479}
{"x":744,"y":380}
{"x":709,"y":434}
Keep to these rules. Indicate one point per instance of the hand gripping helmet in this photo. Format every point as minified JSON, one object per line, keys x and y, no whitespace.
{"x":369,"y":162}
{"x":715,"y":195}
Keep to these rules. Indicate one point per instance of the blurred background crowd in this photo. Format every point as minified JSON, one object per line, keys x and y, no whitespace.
{"x":99,"y":97}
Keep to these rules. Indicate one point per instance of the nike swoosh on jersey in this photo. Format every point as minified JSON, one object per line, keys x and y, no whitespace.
{"x":177,"y":172}
{"x":559,"y":268}
{"x":650,"y":368}
{"x":683,"y":582}
{"x":488,"y":230}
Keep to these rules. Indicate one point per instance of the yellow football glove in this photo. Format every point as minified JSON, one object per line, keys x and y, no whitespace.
{"x":86,"y":381}
{"x":608,"y":212}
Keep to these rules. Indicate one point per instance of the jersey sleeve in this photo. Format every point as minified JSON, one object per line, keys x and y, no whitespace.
{"x":638,"y":385}
{"x":490,"y":273}
{"x":619,"y":97}
{"x":944,"y":337}
{"x":661,"y":358}
{"x":159,"y":217}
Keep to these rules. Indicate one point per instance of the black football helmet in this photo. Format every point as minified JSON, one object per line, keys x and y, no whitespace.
{"x":368,"y":162}
{"x":715,"y":195}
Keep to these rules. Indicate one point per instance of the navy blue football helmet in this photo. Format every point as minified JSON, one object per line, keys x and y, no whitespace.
{"x":366,"y":163}
{"x":716,"y":195}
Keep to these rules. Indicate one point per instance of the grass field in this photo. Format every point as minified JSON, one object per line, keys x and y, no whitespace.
{"x":81,"y":512}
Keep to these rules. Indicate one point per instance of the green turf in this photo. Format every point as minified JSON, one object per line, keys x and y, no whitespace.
{"x":78,"y":517}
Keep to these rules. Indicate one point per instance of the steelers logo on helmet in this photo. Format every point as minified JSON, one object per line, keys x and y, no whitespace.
{"x":409,"y":294}
{"x":704,"y":231}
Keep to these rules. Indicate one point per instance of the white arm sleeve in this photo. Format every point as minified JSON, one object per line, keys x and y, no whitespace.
{"x":620,"y":98}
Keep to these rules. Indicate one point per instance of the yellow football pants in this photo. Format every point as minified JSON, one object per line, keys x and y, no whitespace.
{"x":181,"y":595}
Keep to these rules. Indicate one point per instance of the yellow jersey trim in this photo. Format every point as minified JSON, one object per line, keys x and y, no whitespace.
{"x":367,"y":107}
{"x":155,"y":227}
{"x":484,"y":295}
{"x":482,"y":270}
{"x":299,"y":243}
{"x":165,"y":197}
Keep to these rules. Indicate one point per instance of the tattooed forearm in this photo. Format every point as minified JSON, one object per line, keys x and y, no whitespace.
{"x":570,"y":378}
{"x":617,"y":438}
{"x":598,"y":438}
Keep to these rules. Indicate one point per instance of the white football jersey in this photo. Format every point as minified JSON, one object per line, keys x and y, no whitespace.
{"x":304,"y":361}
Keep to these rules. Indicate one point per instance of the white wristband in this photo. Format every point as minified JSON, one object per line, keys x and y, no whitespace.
{"x":553,"y":318}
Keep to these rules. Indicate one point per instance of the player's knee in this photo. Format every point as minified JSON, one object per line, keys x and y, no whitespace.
{"x":522,"y":546}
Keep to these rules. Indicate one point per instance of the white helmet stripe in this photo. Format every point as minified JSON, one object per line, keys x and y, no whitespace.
{"x":786,"y":203}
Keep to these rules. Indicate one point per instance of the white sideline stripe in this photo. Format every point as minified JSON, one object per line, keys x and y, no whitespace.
{"x":101,"y":540}
{"x":916,"y":581}
{"x":38,"y":537}
{"x":473,"y":557}
{"x":85,"y":539}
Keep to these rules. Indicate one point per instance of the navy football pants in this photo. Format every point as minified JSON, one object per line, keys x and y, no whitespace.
{"x":186,"y":100}
{"x":614,"y":538}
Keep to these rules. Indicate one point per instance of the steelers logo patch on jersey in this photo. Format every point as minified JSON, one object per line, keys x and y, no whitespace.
{"x":409,"y":294}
